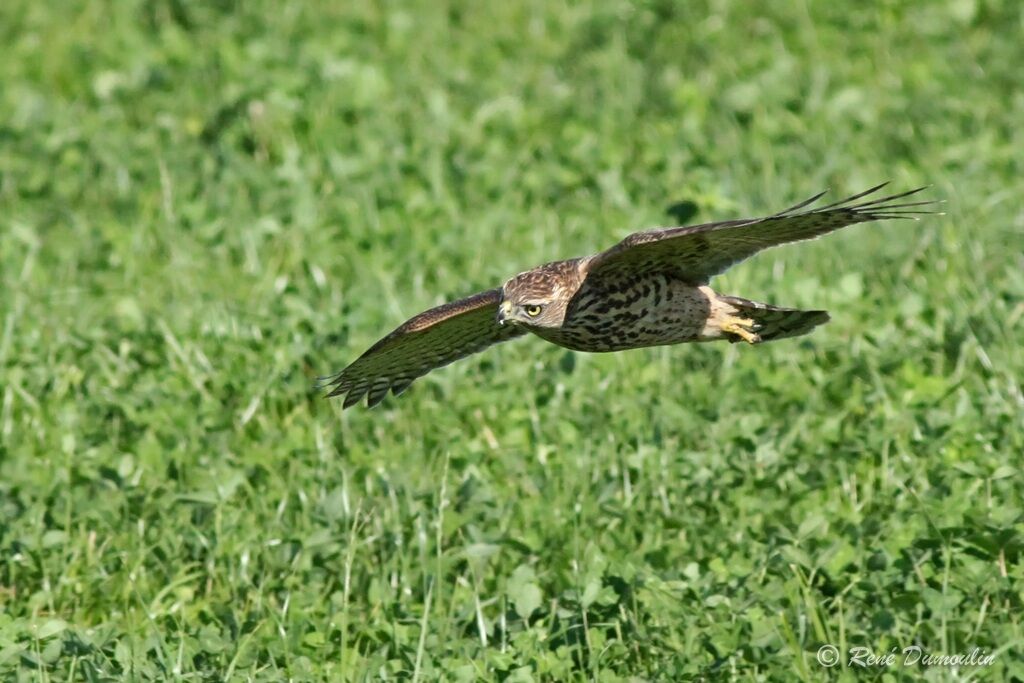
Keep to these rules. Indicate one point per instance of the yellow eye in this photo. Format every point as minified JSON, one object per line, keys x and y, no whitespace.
{"x":533,"y":310}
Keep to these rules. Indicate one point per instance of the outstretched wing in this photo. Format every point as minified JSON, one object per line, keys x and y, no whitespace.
{"x":699,"y":252}
{"x":429,"y":340}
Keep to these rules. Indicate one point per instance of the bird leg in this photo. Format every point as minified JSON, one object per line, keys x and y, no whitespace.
{"x":744,"y":328}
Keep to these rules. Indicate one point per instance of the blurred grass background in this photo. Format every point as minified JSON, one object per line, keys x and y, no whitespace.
{"x":203,"y":206}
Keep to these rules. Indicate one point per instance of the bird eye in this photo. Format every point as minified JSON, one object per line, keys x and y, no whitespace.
{"x":532,"y":310}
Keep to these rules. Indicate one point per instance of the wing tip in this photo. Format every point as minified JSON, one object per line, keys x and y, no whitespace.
{"x":353,"y":397}
{"x":883,"y":208}
{"x":374,"y":396}
{"x":326,"y":381}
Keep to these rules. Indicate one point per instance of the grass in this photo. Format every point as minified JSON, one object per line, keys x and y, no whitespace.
{"x":204,"y":206}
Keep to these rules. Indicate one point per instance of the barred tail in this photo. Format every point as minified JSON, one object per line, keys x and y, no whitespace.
{"x":774,"y":322}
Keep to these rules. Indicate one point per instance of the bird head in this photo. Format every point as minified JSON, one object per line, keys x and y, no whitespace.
{"x":539,"y":297}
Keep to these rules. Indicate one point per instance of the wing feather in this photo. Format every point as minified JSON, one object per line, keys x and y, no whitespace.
{"x":699,"y":252}
{"x":423,"y":343}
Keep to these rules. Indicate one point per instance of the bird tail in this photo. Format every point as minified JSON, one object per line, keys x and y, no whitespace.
{"x":774,"y":322}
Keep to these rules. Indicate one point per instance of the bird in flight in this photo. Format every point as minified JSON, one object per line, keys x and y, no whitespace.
{"x":650,"y":289}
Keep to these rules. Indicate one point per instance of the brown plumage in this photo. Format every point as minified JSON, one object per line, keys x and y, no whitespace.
{"x":649,"y":289}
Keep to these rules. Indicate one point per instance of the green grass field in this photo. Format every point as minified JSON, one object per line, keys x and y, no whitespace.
{"x":206,"y":205}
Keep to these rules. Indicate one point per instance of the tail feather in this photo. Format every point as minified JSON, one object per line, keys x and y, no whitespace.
{"x":774,"y":322}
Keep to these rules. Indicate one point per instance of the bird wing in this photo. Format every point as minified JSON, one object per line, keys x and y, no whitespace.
{"x":697,"y":253}
{"x":427,"y":341}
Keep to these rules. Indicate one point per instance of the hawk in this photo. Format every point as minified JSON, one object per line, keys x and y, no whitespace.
{"x":650,"y":289}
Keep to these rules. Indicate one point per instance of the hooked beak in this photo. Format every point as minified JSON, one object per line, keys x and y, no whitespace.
{"x":504,"y":312}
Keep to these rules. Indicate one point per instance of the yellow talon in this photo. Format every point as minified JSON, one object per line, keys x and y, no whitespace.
{"x":742,"y":328}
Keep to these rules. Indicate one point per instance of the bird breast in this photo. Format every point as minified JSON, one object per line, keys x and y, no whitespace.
{"x":632,"y":313}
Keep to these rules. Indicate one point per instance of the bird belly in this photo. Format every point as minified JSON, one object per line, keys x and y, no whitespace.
{"x":651,"y":312}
